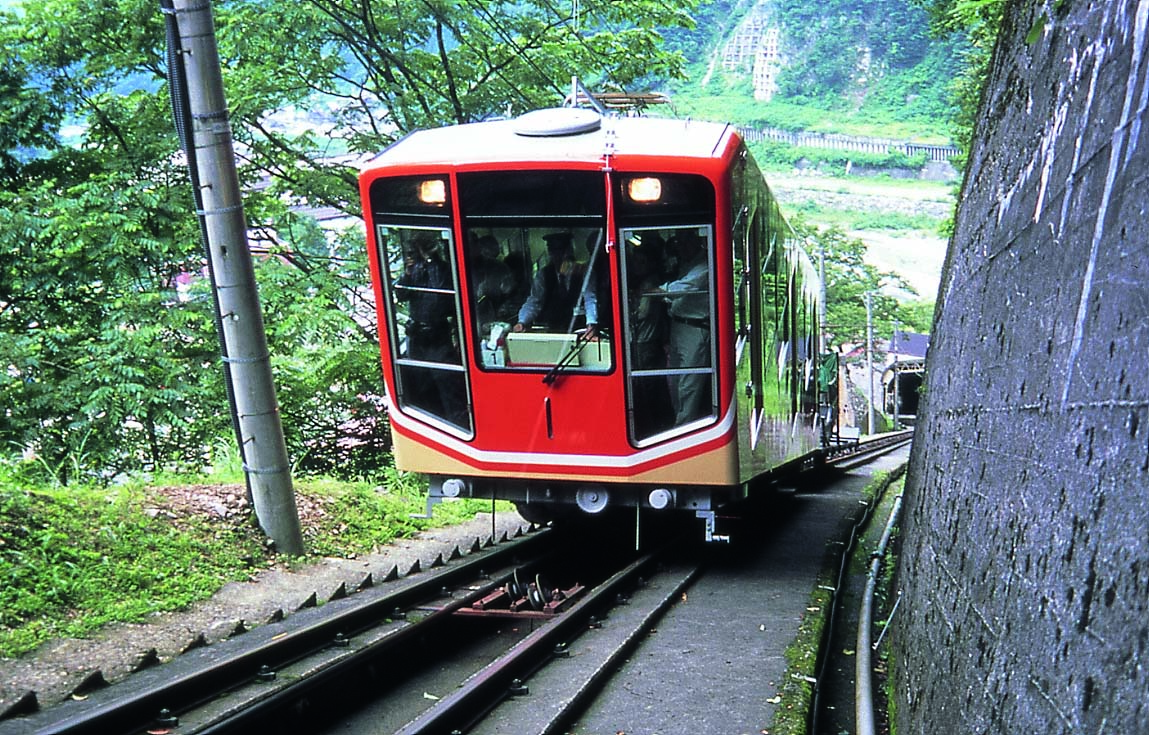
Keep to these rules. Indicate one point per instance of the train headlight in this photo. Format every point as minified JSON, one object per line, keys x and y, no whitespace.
{"x":644,"y":190}
{"x":433,"y":191}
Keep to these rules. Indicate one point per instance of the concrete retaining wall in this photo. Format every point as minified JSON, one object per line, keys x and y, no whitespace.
{"x":1026,"y":566}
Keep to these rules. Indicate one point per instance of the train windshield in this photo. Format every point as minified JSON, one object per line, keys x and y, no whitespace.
{"x":536,"y":270}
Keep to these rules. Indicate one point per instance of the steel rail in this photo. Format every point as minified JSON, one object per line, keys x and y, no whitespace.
{"x":138,"y":709}
{"x":488,"y":687}
{"x":863,"y":452}
{"x":251,"y":717}
{"x":558,"y":706}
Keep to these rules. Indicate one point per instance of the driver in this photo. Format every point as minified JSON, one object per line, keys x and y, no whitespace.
{"x":556,"y":290}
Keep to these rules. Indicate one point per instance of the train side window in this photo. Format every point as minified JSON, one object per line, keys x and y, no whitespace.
{"x":744,"y":248}
{"x":424,"y":324}
{"x":773,"y":327}
{"x":755,"y":242}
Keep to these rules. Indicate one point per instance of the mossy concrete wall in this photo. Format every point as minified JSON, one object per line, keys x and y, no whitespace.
{"x":1025,"y":569}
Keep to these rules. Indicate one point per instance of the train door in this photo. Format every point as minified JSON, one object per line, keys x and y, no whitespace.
{"x":750,"y":292}
{"x":775,"y":332}
{"x":423,"y":322}
{"x":669,"y":326}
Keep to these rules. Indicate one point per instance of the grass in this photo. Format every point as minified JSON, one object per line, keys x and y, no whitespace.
{"x":850,"y":220}
{"x":886,"y":593}
{"x":76,"y":558}
{"x":910,"y":189}
{"x":796,"y":691}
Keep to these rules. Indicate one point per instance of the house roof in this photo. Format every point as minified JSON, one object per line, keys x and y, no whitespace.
{"x":909,"y":344}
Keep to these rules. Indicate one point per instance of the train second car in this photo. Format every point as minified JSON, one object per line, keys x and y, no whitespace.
{"x":580,"y":311}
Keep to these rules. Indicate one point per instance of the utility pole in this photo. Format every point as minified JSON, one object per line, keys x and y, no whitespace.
{"x":870,"y":363}
{"x":897,"y":396}
{"x":831,"y":417}
{"x":205,"y":130}
{"x":822,"y":289}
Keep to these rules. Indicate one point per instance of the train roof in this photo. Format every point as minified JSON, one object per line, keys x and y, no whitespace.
{"x":557,"y":135}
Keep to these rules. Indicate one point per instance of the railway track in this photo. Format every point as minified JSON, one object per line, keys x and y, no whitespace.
{"x":485,"y":643}
{"x":847,"y":456}
{"x":364,"y":654}
{"x":633,"y":598}
{"x":271,"y":660}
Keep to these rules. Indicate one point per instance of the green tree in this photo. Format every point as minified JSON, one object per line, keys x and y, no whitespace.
{"x":837,"y":48}
{"x":28,"y":117}
{"x":106,"y":366}
{"x":917,"y":316}
{"x":100,"y":357}
{"x":979,"y":22}
{"x":384,"y":70}
{"x":848,"y":279}
{"x":96,"y":376}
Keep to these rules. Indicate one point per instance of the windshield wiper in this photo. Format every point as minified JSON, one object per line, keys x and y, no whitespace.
{"x":580,"y":340}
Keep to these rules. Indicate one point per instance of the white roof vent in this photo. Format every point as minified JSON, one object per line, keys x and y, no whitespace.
{"x":557,"y":121}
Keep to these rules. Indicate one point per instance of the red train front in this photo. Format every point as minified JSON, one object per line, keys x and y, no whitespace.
{"x":577,"y":310}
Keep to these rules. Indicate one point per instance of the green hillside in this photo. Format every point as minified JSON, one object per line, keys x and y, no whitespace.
{"x":859,"y":67}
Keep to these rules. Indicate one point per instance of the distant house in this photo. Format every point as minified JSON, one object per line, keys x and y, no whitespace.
{"x":904,"y":373}
{"x":907,"y":345}
{"x":899,"y":369}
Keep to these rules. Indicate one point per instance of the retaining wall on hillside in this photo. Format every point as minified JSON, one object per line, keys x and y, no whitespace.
{"x":1026,"y":566}
{"x":841,"y":142}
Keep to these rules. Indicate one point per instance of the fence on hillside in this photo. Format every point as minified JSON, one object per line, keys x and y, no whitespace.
{"x":836,"y":141}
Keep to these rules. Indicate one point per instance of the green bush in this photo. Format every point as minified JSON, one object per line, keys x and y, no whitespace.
{"x":854,"y":220}
{"x":360,"y":517}
{"x":75,"y":559}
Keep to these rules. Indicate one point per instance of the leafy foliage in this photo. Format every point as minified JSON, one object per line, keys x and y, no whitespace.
{"x":326,"y":364}
{"x":75,"y":560}
{"x":385,"y":73}
{"x":979,"y":22}
{"x":836,"y":44}
{"x":848,"y":279}
{"x":27,"y":118}
{"x":835,"y":162}
{"x":873,"y":68}
{"x":106,"y":329}
{"x":923,"y":91}
{"x":917,"y":316}
{"x":851,"y":220}
{"x":88,"y":272}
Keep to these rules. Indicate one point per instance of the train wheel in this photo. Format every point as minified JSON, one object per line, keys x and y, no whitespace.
{"x":513,"y":589}
{"x":538,"y":513}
